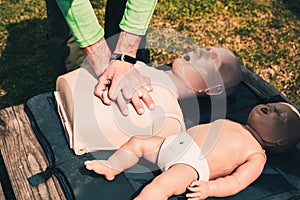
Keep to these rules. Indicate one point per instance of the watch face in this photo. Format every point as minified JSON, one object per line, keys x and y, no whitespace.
{"x":115,"y":56}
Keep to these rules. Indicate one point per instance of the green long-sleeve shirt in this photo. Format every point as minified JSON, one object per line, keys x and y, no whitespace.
{"x":84,"y":24}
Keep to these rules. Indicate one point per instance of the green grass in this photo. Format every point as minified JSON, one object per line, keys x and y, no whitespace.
{"x":265,"y":35}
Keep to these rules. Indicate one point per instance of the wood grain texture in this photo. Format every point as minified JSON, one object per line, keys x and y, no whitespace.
{"x":23,"y":156}
{"x":2,"y":197}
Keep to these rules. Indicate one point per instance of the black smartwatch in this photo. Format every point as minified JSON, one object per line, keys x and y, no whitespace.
{"x":122,"y":57}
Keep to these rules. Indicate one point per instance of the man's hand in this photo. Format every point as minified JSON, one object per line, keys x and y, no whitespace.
{"x":122,"y":83}
{"x":199,"y":189}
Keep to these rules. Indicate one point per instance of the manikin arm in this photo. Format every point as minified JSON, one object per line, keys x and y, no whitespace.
{"x":229,"y":185}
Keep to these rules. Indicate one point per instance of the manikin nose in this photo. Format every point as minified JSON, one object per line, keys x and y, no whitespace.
{"x":264,"y":110}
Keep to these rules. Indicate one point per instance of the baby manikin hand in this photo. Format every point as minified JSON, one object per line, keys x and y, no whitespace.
{"x":199,"y":189}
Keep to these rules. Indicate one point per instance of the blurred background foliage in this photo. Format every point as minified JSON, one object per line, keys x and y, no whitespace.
{"x":264,"y":34}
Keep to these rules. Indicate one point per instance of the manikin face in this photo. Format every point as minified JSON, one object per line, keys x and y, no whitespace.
{"x":200,"y":70}
{"x":275,"y":121}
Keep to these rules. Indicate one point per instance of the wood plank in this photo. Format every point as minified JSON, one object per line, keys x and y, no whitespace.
{"x":2,"y":197}
{"x":23,"y":156}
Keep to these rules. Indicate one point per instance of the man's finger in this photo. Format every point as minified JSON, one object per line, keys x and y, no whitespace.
{"x":137,"y":104}
{"x":106,"y":100}
{"x":127,"y":92}
{"x":101,"y":92}
{"x":104,"y":80}
{"x":122,"y":105}
{"x":117,"y":84}
{"x":146,"y":98}
{"x":98,"y":91}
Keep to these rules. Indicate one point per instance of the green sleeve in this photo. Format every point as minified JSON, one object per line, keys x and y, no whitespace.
{"x":82,"y":21}
{"x":137,"y":16}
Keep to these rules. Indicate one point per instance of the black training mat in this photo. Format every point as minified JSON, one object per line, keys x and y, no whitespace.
{"x":280,"y":178}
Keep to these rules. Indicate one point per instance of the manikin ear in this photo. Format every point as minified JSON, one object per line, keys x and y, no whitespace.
{"x":280,"y":142}
{"x":216,"y":59}
{"x":283,"y":141}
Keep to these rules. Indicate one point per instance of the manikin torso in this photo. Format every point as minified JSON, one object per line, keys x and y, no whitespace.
{"x":226,"y":145}
{"x":92,"y":125}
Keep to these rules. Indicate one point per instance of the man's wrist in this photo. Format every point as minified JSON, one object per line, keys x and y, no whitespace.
{"x":123,"y":57}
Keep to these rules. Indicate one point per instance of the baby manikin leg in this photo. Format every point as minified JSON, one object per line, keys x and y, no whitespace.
{"x":127,"y":156}
{"x":116,"y":164}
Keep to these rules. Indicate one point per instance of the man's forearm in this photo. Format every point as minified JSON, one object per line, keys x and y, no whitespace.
{"x":98,"y":56}
{"x":128,"y":44}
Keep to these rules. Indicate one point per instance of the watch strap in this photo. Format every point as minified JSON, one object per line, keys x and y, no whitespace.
{"x":122,"y":57}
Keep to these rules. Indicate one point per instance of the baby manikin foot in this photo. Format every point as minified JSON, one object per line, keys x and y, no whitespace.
{"x":101,"y":167}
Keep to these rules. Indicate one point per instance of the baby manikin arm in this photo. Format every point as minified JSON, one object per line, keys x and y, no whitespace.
{"x":242,"y":177}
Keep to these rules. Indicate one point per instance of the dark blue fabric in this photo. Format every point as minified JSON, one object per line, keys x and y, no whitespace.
{"x":77,"y":182}
{"x":280,"y":178}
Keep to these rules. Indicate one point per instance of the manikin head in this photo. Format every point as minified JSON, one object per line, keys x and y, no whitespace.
{"x":276,"y":126}
{"x":208,"y":70}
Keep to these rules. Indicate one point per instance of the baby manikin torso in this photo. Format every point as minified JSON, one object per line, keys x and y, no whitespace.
{"x":91,"y":125}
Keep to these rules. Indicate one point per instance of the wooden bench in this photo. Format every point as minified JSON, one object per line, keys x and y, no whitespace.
{"x":23,"y":157}
{"x":1,"y":192}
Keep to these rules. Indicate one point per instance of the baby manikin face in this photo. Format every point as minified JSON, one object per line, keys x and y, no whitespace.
{"x":199,"y":69}
{"x":194,"y":68}
{"x":273,"y":121}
